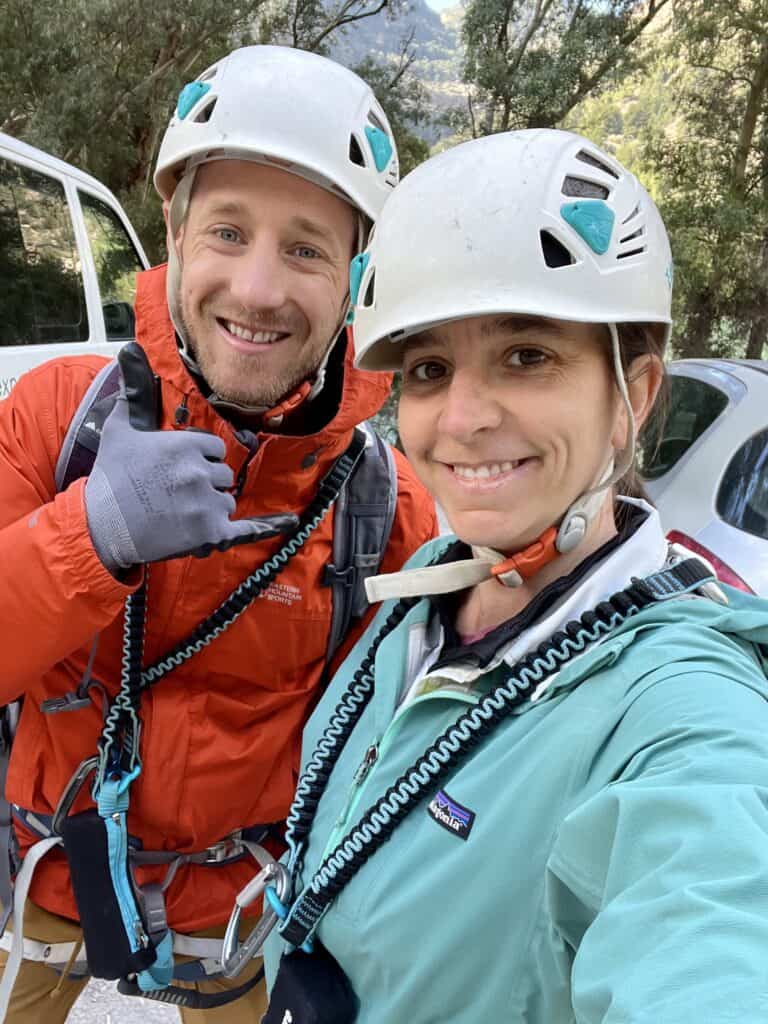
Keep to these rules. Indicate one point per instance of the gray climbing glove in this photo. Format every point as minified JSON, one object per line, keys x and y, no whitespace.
{"x":159,"y":494}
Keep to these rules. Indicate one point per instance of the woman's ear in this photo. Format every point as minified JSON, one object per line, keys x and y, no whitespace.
{"x":644,"y":376}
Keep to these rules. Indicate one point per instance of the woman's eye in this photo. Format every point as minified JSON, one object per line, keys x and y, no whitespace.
{"x":306,"y":252}
{"x":427,"y":371}
{"x":526,"y":357}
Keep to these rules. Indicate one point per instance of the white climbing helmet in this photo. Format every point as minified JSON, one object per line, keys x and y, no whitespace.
{"x":538,"y":222}
{"x":290,"y":109}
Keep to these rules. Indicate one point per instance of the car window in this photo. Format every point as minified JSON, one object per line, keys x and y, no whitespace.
{"x":117,"y":264}
{"x":41,"y":297}
{"x":693,"y":406}
{"x":742,"y":499}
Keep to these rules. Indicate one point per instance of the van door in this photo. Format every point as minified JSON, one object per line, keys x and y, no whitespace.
{"x":67,"y":267}
{"x":42,"y":298}
{"x":115,"y":262}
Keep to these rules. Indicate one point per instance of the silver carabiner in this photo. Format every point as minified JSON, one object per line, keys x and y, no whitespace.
{"x":234,"y":957}
{"x":72,"y":791}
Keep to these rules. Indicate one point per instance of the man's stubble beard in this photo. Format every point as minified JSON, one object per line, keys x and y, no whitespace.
{"x":257,"y":390}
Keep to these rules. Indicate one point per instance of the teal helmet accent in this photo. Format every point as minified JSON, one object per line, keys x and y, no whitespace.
{"x":593,"y":219}
{"x":356,"y":271}
{"x":381,"y":146}
{"x":189,"y":96}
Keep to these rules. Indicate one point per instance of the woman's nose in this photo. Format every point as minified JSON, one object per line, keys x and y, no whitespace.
{"x":469,"y":408}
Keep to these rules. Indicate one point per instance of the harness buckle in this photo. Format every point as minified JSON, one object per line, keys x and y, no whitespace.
{"x":70,"y":701}
{"x":234,"y":957}
{"x":227,"y":848}
{"x":72,"y":791}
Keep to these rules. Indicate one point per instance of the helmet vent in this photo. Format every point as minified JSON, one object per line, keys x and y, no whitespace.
{"x":628,"y":238}
{"x":583,"y":189}
{"x":632,"y":252}
{"x":355,"y":152}
{"x":372,"y":119}
{"x":593,"y":161}
{"x":204,"y":114}
{"x":209,"y":74}
{"x":632,"y":215}
{"x":554,"y":252}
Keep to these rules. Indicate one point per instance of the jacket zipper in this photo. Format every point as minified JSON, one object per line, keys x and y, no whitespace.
{"x":372,"y":755}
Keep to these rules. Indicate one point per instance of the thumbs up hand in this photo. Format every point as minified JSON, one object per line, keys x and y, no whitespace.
{"x":159,"y":494}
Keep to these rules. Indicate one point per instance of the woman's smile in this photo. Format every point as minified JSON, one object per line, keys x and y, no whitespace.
{"x":488,"y":476}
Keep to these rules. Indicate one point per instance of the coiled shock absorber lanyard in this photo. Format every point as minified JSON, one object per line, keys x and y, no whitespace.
{"x":119,"y":760}
{"x":451,"y":748}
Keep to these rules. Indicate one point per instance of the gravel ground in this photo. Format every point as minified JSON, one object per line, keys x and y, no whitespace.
{"x":101,"y":1003}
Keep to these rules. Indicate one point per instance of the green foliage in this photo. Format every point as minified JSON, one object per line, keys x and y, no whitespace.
{"x":529,"y":62}
{"x":711,"y":158}
{"x":95,"y":81}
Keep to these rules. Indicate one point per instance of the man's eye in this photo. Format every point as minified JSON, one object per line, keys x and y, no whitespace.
{"x":306,"y":252}
{"x":227,"y":234}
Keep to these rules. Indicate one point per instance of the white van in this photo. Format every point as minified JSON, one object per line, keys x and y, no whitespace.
{"x":68,"y":261}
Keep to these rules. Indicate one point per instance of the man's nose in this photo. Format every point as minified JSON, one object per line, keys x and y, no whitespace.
{"x":469,"y":407}
{"x":258,"y":278}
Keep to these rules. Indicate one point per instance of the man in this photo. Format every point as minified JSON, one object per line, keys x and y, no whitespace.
{"x":272,"y":169}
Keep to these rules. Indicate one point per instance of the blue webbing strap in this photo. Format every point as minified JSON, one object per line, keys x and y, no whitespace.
{"x":112,"y":802}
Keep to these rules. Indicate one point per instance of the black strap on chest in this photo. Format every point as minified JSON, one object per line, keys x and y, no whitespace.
{"x":450,"y":749}
{"x":363,"y":513}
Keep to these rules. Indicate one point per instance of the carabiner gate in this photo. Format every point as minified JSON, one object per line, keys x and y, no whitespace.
{"x":72,"y":791}
{"x":234,"y":957}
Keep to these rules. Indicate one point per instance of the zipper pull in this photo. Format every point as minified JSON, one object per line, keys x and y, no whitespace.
{"x":369,"y":760}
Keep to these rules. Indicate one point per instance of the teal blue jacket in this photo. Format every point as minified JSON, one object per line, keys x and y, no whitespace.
{"x":616,"y":867}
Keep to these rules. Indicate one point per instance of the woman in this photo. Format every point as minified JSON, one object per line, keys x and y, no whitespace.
{"x":591,"y":843}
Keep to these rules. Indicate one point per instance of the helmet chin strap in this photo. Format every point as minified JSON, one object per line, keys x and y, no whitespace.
{"x":514,"y":570}
{"x":272,"y":416}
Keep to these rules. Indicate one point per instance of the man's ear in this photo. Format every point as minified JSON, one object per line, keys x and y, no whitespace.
{"x":170,"y":241}
{"x":644,"y":376}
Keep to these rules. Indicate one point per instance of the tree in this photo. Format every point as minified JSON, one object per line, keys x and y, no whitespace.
{"x":95,"y":81}
{"x":530,"y":62}
{"x":404,"y":99}
{"x":713,"y":159}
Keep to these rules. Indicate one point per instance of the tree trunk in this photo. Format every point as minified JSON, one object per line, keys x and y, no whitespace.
{"x":695,"y":342}
{"x":758,"y":334}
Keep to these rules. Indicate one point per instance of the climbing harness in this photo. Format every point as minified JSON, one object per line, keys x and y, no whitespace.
{"x":125,"y":929}
{"x":303,"y":912}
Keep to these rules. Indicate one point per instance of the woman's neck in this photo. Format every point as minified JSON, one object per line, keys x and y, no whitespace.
{"x":490,"y":603}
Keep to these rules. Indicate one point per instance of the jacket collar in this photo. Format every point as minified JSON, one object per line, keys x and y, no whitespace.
{"x":644,"y":552}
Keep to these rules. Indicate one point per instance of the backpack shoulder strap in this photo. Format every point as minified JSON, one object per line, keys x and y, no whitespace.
{"x":81,"y":441}
{"x":362,"y":522}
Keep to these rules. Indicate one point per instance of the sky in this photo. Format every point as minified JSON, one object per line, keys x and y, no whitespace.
{"x":440,"y":5}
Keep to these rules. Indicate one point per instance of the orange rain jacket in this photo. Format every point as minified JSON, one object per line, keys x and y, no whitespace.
{"x":221,"y":734}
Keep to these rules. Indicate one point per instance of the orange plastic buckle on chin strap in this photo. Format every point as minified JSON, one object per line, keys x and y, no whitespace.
{"x":528,"y":562}
{"x":274,"y":417}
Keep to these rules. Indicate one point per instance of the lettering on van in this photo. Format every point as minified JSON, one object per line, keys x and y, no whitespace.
{"x":6,"y":384}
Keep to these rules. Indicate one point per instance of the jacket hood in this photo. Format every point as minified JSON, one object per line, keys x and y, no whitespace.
{"x":362,"y":395}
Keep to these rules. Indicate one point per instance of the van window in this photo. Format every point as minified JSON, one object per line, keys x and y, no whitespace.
{"x":693,"y":406}
{"x":742,"y":499}
{"x":117,"y":264}
{"x":41,"y":286}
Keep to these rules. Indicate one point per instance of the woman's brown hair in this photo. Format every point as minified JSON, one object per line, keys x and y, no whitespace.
{"x":637,"y":340}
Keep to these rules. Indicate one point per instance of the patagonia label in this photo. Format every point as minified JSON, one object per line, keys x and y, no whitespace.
{"x":452,"y":816}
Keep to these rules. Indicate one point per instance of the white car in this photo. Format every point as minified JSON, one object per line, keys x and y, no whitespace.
{"x":68,"y":260}
{"x":708,"y":472}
